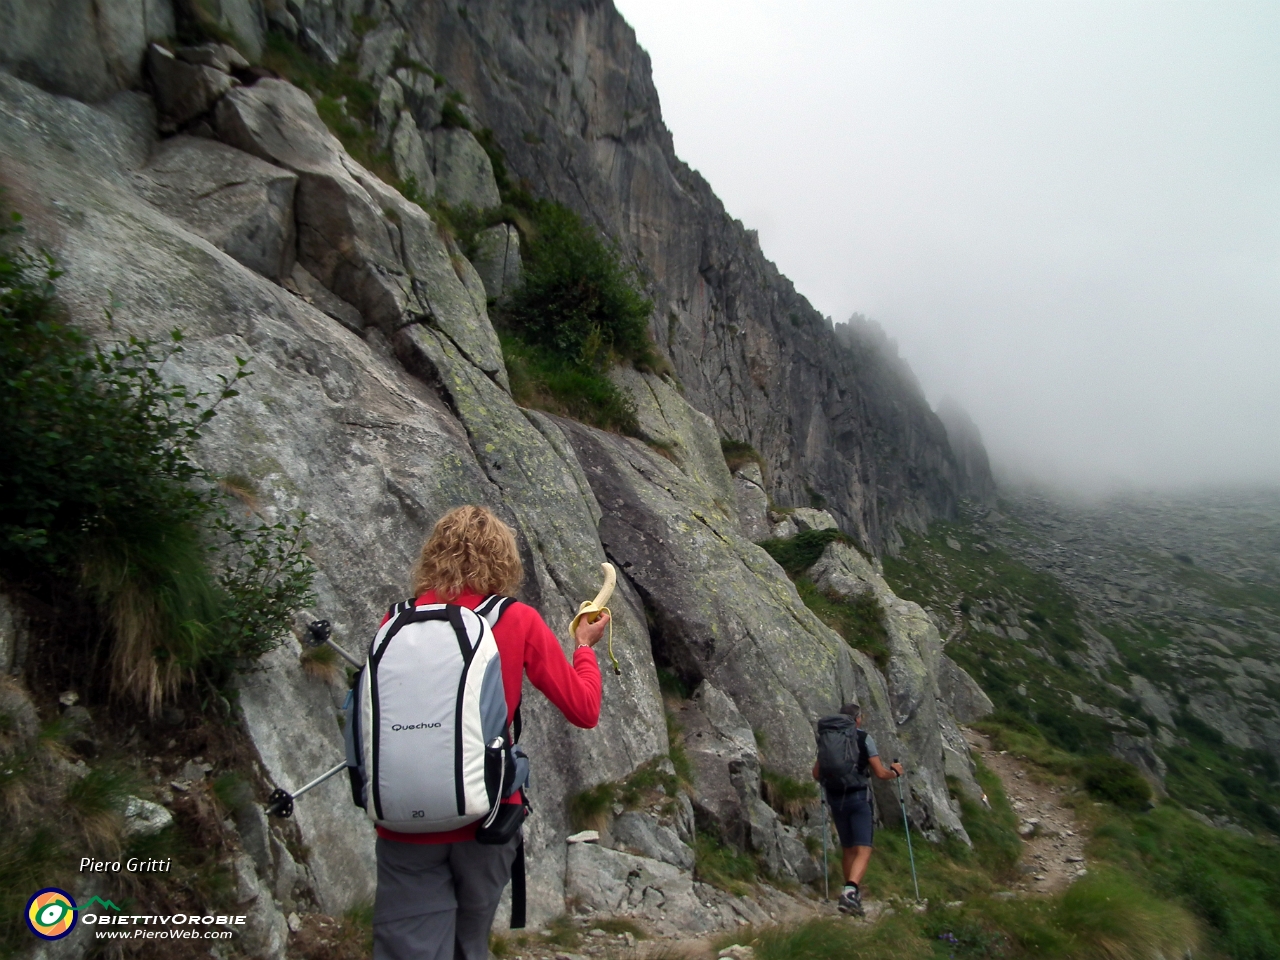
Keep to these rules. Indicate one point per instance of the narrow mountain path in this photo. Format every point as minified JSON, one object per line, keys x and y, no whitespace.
{"x":1052,"y":840}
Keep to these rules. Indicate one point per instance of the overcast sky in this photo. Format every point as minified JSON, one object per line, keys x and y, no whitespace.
{"x":1066,"y":214}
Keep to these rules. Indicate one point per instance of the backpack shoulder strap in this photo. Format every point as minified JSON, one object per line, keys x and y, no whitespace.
{"x":864,"y":758}
{"x":492,"y":608}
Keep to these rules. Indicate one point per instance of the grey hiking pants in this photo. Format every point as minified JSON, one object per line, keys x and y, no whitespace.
{"x":436,"y":901}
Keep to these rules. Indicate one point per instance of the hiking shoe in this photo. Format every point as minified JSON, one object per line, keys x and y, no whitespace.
{"x":850,"y":902}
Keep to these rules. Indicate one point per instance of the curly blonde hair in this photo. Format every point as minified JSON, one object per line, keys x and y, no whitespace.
{"x":469,"y":548}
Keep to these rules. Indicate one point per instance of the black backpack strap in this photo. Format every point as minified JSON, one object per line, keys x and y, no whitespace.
{"x":518,"y":888}
{"x":864,"y":758}
{"x":493,"y":607}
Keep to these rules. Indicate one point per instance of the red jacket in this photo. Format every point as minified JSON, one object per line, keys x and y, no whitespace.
{"x":527,"y":645}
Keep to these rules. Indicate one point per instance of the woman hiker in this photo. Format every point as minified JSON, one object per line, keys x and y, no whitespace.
{"x":438,"y":892}
{"x":846,"y":754}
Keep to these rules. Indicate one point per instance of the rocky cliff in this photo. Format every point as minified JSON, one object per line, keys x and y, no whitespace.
{"x":196,"y":192}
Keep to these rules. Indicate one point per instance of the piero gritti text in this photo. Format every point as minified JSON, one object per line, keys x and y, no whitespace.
{"x":132,"y":865}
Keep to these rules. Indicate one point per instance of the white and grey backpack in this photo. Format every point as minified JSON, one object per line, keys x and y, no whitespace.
{"x":428,"y":748}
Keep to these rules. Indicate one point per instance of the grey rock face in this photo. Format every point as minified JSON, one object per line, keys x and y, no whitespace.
{"x":409,"y":155}
{"x":807,"y":518}
{"x":753,"y":503}
{"x":497,"y":259}
{"x":356,"y":235}
{"x":220,"y":56}
{"x":378,"y":51}
{"x":184,"y":90}
{"x":612,"y":882}
{"x":464,"y":174}
{"x":244,"y":19}
{"x":724,"y":612}
{"x":237,"y":202}
{"x":970,"y":453}
{"x":568,"y":93}
{"x":687,"y":436}
{"x":641,"y":834}
{"x":266,"y":932}
{"x":960,"y":692}
{"x":81,"y":48}
{"x":310,"y":289}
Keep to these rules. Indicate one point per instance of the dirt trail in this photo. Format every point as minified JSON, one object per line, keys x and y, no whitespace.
{"x":1053,"y":849}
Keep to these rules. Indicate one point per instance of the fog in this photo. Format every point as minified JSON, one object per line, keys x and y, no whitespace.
{"x":1066,"y":215}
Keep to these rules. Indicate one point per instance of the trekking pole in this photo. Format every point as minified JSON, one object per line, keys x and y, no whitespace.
{"x":319,"y":635}
{"x":280,"y":803}
{"x":826,"y":867}
{"x":907,"y":823}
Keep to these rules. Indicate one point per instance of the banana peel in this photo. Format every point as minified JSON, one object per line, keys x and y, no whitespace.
{"x":591,"y":610}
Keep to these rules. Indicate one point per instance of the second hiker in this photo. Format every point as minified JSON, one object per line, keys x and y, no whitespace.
{"x":847,"y":754}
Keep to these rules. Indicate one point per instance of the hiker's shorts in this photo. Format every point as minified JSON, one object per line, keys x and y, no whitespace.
{"x":852,"y":814}
{"x":436,"y":901}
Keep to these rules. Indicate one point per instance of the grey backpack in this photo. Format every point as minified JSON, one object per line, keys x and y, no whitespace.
{"x":428,"y":749}
{"x":843,"y":760}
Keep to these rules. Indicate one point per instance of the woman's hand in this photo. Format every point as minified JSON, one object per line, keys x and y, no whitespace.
{"x":589,"y":633}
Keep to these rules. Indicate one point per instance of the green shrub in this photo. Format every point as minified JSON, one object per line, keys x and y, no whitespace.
{"x":676,"y":749}
{"x":722,"y":866}
{"x":590,"y":808}
{"x":797,"y":554}
{"x":858,"y":619}
{"x":738,"y":453}
{"x":578,"y":302}
{"x":788,"y":796}
{"x":542,"y":380}
{"x":1116,"y":781}
{"x":992,"y":829}
{"x":102,"y":499}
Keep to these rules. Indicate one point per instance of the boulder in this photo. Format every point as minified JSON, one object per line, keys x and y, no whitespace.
{"x":752,"y":502}
{"x":422,"y":97}
{"x":642,"y":834}
{"x":464,"y":173}
{"x":22,"y":723}
{"x":410,"y":157}
{"x":143,"y":818}
{"x":726,"y":767}
{"x":184,"y":90}
{"x":807,"y":518}
{"x":378,"y":51}
{"x":497,"y":259}
{"x":784,"y":529}
{"x":961,"y":694}
{"x":220,"y":56}
{"x":240,"y":204}
{"x":606,"y":881}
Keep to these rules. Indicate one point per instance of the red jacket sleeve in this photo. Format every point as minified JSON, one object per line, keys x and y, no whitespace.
{"x":575,"y":690}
